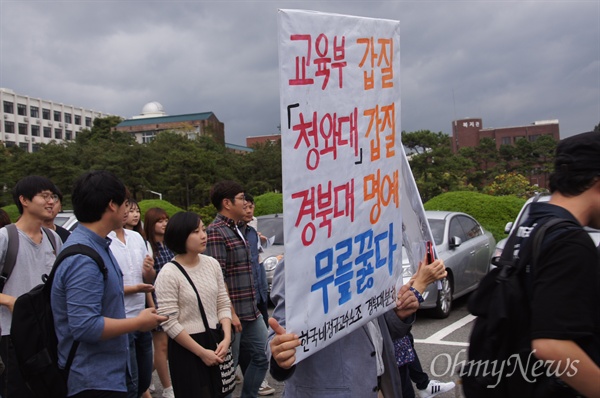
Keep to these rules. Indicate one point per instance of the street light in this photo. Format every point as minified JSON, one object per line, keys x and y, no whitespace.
{"x":156,"y":193}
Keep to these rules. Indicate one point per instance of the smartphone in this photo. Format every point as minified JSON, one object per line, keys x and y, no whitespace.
{"x":430,"y":253}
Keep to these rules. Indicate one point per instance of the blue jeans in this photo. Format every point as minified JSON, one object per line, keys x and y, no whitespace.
{"x":140,"y":357}
{"x":252,"y":341}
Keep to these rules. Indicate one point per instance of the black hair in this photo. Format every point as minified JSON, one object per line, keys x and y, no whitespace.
{"x":59,"y":193}
{"x":224,"y":190}
{"x":249,"y":198}
{"x":576,"y":165}
{"x":93,"y":192}
{"x":30,"y":186}
{"x":179,"y":227}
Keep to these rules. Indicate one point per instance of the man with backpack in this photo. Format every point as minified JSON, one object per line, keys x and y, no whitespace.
{"x":26,"y":253}
{"x":87,"y":306}
{"x":556,"y":290}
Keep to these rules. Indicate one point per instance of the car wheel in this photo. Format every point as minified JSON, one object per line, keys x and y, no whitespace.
{"x":444,"y":299}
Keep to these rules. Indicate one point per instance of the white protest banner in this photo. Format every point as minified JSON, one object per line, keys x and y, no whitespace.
{"x":416,"y":230}
{"x":342,"y":170}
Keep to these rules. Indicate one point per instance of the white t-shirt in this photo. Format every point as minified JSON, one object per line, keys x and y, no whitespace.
{"x":33,"y":261}
{"x":130,"y":257}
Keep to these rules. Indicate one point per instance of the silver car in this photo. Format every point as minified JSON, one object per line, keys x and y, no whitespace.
{"x":271,"y":226}
{"x":466,"y":249}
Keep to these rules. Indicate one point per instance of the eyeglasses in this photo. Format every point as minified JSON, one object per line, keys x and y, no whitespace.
{"x":48,"y":196}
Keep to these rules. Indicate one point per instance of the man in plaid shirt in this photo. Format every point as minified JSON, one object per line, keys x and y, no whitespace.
{"x":227,"y":245}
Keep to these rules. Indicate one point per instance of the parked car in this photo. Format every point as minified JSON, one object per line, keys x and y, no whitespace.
{"x":67,"y":220}
{"x":271,"y":226}
{"x":522,"y":217}
{"x":466,"y":249}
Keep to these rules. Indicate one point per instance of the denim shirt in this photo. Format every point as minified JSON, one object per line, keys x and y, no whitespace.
{"x":258,"y":271}
{"x":81,"y":298}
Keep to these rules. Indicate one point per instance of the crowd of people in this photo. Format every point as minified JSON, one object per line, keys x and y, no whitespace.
{"x":172,"y":282}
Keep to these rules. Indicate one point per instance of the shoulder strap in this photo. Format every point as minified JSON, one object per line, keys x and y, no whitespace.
{"x":204,"y":319}
{"x":72,"y":250}
{"x":539,"y":234}
{"x":51,"y":238}
{"x":11,"y":254}
{"x":67,"y":252}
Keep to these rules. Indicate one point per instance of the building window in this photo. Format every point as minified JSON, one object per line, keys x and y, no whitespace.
{"x":35,"y":147}
{"x":35,"y":130}
{"x":34,"y":111}
{"x":22,"y":109}
{"x":45,"y":114}
{"x":24,"y":146}
{"x":47,"y":132}
{"x":88,"y":122}
{"x":8,"y":107}
{"x":505,"y":141}
{"x":68,"y":118}
{"x":519,"y":138}
{"x":68,"y":135}
{"x":9,"y":127}
{"x":148,"y":136}
{"x":58,"y":134}
{"x":533,"y":138}
{"x":22,"y":128}
{"x":78,"y":120}
{"x":57,"y":117}
{"x":8,"y":144}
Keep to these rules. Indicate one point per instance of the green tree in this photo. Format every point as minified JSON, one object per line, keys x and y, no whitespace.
{"x":511,"y":184}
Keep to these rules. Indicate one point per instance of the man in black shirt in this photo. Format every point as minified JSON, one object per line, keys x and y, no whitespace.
{"x":565,"y":330}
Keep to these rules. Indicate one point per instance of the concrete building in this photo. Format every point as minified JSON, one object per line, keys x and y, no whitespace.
{"x":467,"y":132}
{"x":28,"y":122}
{"x":153,"y":120}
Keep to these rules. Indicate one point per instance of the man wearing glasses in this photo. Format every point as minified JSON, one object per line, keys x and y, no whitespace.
{"x":35,"y":198}
{"x":227,"y":244}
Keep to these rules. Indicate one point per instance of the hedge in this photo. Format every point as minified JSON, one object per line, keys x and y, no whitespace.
{"x":492,"y":212}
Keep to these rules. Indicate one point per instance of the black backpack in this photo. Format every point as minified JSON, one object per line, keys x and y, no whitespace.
{"x":33,"y":335}
{"x":499,"y":352}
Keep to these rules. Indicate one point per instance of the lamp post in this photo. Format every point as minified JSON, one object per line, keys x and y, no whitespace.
{"x":156,"y":193}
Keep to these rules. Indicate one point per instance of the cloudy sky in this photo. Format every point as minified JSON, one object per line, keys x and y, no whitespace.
{"x":507,"y":62}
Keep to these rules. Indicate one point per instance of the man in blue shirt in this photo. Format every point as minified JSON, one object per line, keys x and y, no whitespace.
{"x":88,"y":307}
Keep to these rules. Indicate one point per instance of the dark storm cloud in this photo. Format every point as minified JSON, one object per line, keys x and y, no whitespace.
{"x":510,"y":63}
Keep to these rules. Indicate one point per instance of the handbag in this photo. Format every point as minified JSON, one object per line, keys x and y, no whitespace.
{"x":222,"y":377}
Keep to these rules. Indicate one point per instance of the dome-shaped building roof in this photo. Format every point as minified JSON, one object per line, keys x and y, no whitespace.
{"x":151,"y":109}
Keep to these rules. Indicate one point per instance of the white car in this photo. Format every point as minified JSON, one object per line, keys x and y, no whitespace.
{"x":67,"y":220}
{"x":522,"y":217}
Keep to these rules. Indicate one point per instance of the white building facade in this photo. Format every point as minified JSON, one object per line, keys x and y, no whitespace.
{"x":27,"y":122}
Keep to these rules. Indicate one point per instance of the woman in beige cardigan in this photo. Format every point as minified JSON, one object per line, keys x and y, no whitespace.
{"x":188,"y":360}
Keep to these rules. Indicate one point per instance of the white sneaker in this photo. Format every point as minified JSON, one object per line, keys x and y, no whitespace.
{"x":152,"y":388}
{"x":265,"y":389}
{"x":434,"y":388}
{"x":168,"y":392}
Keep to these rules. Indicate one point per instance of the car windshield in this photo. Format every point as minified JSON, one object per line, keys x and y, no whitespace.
{"x":437,"y":230}
{"x":272,"y":227}
{"x":60,"y":220}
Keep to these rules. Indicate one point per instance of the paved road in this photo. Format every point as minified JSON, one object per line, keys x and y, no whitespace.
{"x":439,"y":343}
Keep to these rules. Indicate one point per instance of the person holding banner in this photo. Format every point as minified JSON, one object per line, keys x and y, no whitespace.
{"x":361,"y":364}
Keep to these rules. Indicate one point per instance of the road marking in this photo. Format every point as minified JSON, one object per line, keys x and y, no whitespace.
{"x":437,"y":338}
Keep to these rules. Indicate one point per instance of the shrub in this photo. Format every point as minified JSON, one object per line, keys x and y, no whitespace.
{"x":13,"y":212}
{"x":493,"y":212}
{"x":268,"y":203}
{"x":163,"y":204}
